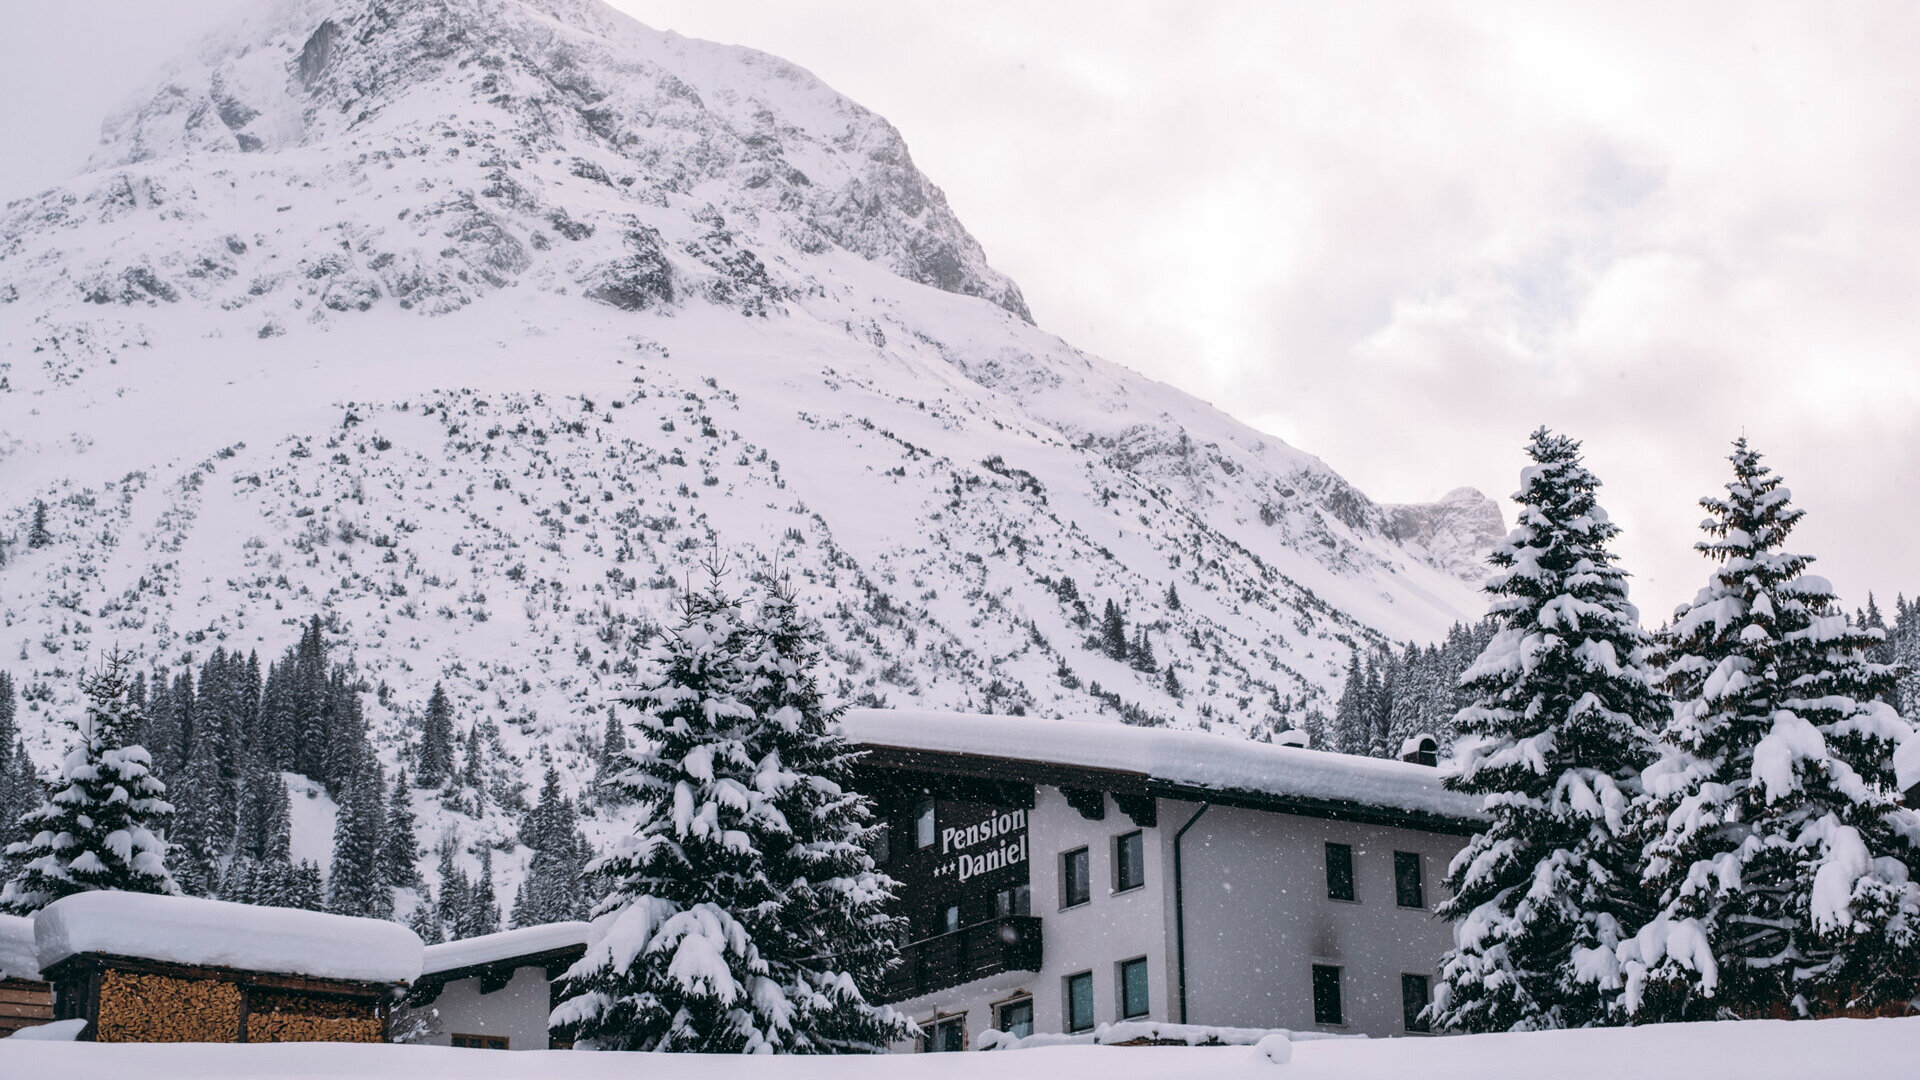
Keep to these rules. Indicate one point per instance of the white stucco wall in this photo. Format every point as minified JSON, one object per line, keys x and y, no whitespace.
{"x":517,"y":1010}
{"x":1258,"y":918}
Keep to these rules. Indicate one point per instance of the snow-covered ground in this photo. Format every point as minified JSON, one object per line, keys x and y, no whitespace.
{"x":1753,"y":1050}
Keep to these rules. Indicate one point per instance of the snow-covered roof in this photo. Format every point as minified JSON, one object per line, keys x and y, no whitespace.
{"x":215,"y":933}
{"x":506,"y":945}
{"x":1184,"y":760}
{"x":18,"y":959}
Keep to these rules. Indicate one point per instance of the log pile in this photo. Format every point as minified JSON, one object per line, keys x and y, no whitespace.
{"x":156,"y":1008}
{"x":285,"y":1016}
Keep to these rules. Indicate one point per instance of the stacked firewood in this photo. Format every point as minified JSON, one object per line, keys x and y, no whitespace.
{"x":283,"y":1016}
{"x":155,"y":1008}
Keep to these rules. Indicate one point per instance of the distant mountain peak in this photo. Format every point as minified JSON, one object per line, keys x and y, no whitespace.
{"x":558,"y":119}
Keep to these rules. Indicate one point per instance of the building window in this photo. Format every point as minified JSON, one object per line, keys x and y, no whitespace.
{"x":1133,"y":988}
{"x":1129,"y":862}
{"x":1015,"y":901}
{"x":1076,"y":879}
{"x":945,"y":1035}
{"x":480,"y":1042}
{"x":1413,"y":1001}
{"x":952,"y":918}
{"x":1016,"y":1018}
{"x":1080,"y":1001}
{"x":881,"y":846}
{"x":923,"y":824}
{"x":1339,"y":872}
{"x":1408,"y":890}
{"x":1326,"y":995}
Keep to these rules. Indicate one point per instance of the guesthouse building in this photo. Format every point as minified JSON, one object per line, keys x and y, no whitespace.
{"x":1059,"y":875}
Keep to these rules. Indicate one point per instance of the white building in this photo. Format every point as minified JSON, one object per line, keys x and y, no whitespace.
{"x":492,"y":992}
{"x":1057,"y":875}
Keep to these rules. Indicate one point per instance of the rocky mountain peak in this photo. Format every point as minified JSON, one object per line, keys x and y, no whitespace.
{"x":547,"y":143}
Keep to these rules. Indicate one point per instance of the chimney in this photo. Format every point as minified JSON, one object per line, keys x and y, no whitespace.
{"x":1421,"y":750}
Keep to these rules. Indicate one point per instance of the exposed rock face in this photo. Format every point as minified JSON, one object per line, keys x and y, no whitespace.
{"x":1458,"y":531}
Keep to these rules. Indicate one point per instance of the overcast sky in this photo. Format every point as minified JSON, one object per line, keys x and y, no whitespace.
{"x":1397,"y":236}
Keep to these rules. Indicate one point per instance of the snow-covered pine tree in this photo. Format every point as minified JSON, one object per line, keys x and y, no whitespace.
{"x":1349,"y":734}
{"x":481,"y":913}
{"x":424,"y":921}
{"x":832,"y":939}
{"x":715,"y":867}
{"x":1774,"y":821}
{"x":1140,"y":653}
{"x":38,"y":535}
{"x":436,"y":739}
{"x":613,"y":751}
{"x":102,"y":826}
{"x":354,"y":883}
{"x":203,"y":827}
{"x":474,"y":775}
{"x":555,"y":886}
{"x":1113,"y":632}
{"x":400,"y":845}
{"x":1554,"y":743}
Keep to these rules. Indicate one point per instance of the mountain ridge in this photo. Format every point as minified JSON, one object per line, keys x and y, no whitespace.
{"x":504,"y":315}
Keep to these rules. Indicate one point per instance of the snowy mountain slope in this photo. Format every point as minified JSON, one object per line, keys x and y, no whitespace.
{"x":473,"y":325}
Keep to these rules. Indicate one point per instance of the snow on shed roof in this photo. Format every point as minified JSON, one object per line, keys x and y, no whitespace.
{"x":215,"y":933}
{"x":18,"y":960}
{"x":506,"y":945}
{"x":1181,"y":759}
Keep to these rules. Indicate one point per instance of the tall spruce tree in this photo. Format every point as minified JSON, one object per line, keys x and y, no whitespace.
{"x":613,"y":754}
{"x":1774,"y":822}
{"x":708,"y":949}
{"x":355,"y":885}
{"x":554,"y":889}
{"x":1113,"y":631}
{"x":102,"y":826}
{"x":436,"y":739}
{"x":1554,"y":743}
{"x":400,"y":847}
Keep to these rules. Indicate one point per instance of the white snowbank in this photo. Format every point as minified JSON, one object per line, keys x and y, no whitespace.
{"x":18,"y":957}
{"x":189,"y":930}
{"x":1126,"y":1031}
{"x":57,"y":1031}
{"x":490,"y":948}
{"x":1186,"y":758}
{"x":1753,"y":1050}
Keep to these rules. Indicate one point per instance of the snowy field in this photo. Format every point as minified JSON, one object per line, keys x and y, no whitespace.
{"x":1755,"y":1050}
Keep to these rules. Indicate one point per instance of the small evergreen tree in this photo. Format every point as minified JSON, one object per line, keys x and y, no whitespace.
{"x":102,"y":826}
{"x":1773,"y":822}
{"x":1140,"y":653}
{"x":613,"y":752}
{"x":1554,"y":743}
{"x":481,"y":913}
{"x":1113,"y":632}
{"x":38,"y":535}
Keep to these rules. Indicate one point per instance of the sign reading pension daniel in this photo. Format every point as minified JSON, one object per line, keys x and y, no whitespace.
{"x":996,"y":843}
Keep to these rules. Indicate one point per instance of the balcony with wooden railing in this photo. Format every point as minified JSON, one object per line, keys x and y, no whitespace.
{"x":1008,"y":943}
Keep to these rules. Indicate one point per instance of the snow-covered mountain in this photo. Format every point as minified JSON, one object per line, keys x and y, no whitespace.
{"x":473,"y":325}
